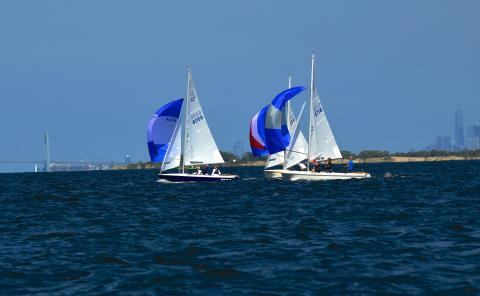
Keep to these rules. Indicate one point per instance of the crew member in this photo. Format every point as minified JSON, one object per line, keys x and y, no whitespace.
{"x":314,"y":164}
{"x":350,"y":165}
{"x":216,"y":171}
{"x":302,"y":166}
{"x":209,"y":170}
{"x":329,"y":165}
{"x":199,"y":171}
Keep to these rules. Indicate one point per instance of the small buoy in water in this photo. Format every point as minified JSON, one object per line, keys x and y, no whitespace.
{"x":388,"y":175}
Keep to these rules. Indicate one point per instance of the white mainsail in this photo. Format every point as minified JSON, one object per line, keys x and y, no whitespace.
{"x":200,"y":147}
{"x":173,"y":155}
{"x":322,"y":142}
{"x":297,"y":151}
{"x":275,"y":159}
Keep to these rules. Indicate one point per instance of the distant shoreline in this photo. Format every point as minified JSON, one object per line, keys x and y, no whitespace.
{"x":397,"y":159}
{"x":260,"y":163}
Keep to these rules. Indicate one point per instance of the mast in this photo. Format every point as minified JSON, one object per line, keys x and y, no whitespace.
{"x":288,"y":102}
{"x":185,"y":119}
{"x":287,"y":110}
{"x":47,"y":152}
{"x":310,"y":115}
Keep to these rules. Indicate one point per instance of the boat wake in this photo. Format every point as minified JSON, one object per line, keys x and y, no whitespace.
{"x":168,"y":182}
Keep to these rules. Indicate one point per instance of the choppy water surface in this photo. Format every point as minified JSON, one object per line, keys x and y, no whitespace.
{"x":122,"y":232}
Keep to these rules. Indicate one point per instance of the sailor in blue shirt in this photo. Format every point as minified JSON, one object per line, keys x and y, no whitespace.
{"x":350,"y":165}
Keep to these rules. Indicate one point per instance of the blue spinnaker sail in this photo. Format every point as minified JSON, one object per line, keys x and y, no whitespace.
{"x":268,"y":128}
{"x":160,"y":129}
{"x":277,"y":136}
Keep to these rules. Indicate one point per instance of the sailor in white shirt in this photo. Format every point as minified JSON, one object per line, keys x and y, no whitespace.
{"x":216,"y":171}
{"x":198,"y":172}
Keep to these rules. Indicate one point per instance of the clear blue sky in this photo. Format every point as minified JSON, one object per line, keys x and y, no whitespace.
{"x":390,"y":73}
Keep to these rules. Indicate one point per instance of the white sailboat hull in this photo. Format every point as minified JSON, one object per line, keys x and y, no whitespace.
{"x":322,"y":176}
{"x":273,"y":174}
{"x":179,"y":177}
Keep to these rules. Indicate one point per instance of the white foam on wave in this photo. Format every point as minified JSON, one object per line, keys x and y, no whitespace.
{"x":167,"y":181}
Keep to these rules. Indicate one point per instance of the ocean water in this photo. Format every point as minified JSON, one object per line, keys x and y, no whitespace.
{"x":121,"y":232}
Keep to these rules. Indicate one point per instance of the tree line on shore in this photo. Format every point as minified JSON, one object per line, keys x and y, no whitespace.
{"x":248,"y":157}
{"x":423,"y":153}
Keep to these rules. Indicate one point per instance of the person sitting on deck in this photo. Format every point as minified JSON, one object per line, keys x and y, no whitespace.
{"x":216,"y":171}
{"x":314,"y":165}
{"x":329,"y":165}
{"x":302,"y":166}
{"x":198,"y":171}
{"x":350,"y":165}
{"x":209,"y":170}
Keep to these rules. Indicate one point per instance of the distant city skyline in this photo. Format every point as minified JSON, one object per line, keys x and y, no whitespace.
{"x":459,"y":141}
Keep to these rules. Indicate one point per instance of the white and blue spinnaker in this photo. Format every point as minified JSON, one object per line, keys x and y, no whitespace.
{"x":269,"y":131}
{"x":161,"y":129}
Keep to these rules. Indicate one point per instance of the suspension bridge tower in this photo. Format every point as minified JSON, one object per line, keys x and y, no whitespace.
{"x":47,"y":152}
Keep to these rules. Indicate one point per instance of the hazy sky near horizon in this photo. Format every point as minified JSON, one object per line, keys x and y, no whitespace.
{"x":390,"y":73}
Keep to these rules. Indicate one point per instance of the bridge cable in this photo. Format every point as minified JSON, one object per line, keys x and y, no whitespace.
{"x":97,"y":156}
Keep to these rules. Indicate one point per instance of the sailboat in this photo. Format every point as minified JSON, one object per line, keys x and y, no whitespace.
{"x":296,"y":152}
{"x":321,"y":142}
{"x":178,"y":139}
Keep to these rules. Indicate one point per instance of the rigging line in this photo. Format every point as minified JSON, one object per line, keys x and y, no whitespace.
{"x":294,"y":151}
{"x":80,"y":149}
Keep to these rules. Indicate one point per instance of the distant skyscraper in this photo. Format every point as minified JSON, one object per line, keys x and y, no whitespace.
{"x":459,"y":130}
